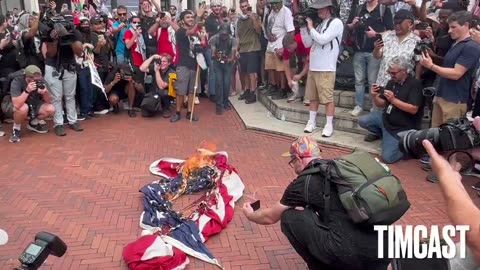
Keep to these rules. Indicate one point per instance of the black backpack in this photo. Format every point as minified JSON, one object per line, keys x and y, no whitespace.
{"x":150,"y":104}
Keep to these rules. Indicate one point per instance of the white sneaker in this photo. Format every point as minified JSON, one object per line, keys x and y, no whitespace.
{"x":356,"y":111}
{"x":310,"y":127}
{"x":306,"y":102}
{"x":469,"y":116}
{"x":327,"y":131}
{"x":101,"y":112}
{"x":196,"y":101}
{"x":292,"y":98}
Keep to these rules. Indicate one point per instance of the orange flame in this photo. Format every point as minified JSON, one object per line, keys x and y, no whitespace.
{"x":203,"y":156}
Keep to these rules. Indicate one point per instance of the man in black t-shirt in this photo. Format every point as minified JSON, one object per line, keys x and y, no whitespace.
{"x":402,"y":99}
{"x":323,"y":243}
{"x":186,"y":37}
{"x":61,"y":76}
{"x":120,"y":84}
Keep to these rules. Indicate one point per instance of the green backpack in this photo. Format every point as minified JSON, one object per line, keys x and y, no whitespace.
{"x":368,"y":191}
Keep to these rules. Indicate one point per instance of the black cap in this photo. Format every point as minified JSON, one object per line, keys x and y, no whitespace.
{"x":402,"y":15}
{"x":97,"y":19}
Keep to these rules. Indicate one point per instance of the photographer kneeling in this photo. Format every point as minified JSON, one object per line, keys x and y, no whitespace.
{"x":162,"y":74}
{"x":30,"y":97}
{"x":121,"y":85}
{"x":402,"y":99}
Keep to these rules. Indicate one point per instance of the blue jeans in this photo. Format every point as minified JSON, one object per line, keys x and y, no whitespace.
{"x":373,"y":122}
{"x":211,"y":72}
{"x":120,"y":58}
{"x":365,"y":67}
{"x":223,"y":76}
{"x":86,"y":91}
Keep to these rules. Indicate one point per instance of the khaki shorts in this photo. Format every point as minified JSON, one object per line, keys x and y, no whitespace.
{"x":320,"y":86}
{"x":444,"y":110}
{"x":273,"y":62}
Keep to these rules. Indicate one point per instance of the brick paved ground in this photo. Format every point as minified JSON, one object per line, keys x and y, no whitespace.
{"x":84,"y":187}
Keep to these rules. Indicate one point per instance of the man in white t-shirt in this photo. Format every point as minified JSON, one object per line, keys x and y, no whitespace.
{"x":279,"y":23}
{"x":324,"y":41}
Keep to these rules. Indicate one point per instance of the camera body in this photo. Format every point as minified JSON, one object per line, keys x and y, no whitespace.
{"x":37,"y":252}
{"x":423,"y":46}
{"x":455,"y":135}
{"x":362,"y":21}
{"x":311,"y":13}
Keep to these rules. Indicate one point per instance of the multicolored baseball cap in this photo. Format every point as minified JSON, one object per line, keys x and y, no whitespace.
{"x":303,"y":146}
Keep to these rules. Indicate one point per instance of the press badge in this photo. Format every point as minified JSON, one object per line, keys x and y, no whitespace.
{"x":389,"y":108}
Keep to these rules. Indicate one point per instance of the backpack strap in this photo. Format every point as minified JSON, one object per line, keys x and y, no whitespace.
{"x":327,"y":187}
{"x":382,"y":11}
{"x":326,"y":27}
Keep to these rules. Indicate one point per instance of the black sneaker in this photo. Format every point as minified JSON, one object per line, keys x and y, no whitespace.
{"x":252,"y":98}
{"x":60,"y":130}
{"x":76,"y":127}
{"x":92,"y":115}
{"x":132,"y":113}
{"x":116,"y":109}
{"x":202,"y":95}
{"x":370,"y":137}
{"x":212,"y":98}
{"x":15,"y":136}
{"x":82,"y":117}
{"x":39,"y":128}
{"x":218,"y":111}
{"x":476,"y":187}
{"x":432,"y":178}
{"x":244,"y":95}
{"x":227,"y":107}
{"x":194,"y":117}
{"x":175,"y":118}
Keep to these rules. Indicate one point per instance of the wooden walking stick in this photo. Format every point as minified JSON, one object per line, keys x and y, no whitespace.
{"x":195,"y":91}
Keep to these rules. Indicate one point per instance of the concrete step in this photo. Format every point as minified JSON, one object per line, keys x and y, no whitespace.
{"x":344,"y":102}
{"x":298,"y":113}
{"x":256,"y":117}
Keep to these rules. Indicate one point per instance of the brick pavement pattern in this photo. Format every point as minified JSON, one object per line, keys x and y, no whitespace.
{"x":84,"y":188}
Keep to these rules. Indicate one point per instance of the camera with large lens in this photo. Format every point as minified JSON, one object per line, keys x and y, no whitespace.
{"x":300,"y":19}
{"x":455,"y":135}
{"x":423,"y":46}
{"x":62,"y":24}
{"x":37,"y":252}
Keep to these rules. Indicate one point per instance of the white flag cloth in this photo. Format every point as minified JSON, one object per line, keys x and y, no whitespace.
{"x":96,"y":80}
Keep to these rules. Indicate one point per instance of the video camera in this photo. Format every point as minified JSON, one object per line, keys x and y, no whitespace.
{"x":37,"y":252}
{"x":455,"y":135}
{"x":300,"y":19}
{"x":62,"y":24}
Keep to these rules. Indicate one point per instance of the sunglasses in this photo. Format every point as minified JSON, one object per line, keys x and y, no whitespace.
{"x":122,"y":14}
{"x":290,"y":163}
{"x":135,"y":22}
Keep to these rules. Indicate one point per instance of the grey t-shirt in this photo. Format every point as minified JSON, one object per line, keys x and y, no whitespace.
{"x":18,"y":85}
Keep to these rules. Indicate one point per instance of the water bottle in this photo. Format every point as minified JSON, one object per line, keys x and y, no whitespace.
{"x":269,"y":114}
{"x":283,"y":117}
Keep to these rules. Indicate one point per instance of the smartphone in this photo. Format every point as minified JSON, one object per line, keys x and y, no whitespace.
{"x":381,"y":92}
{"x":378,"y":37}
{"x":255,"y":205}
{"x":422,"y":26}
{"x":202,"y":3}
{"x":249,"y":9}
{"x":474,"y":24}
{"x":162,"y":15}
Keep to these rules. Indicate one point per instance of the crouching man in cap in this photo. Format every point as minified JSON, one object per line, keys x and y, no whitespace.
{"x":325,"y":243}
{"x":30,"y":98}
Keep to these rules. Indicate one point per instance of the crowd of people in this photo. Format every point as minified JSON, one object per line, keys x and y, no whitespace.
{"x":153,"y":61}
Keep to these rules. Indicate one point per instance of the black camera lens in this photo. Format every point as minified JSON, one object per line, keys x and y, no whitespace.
{"x":40,"y":85}
{"x":411,"y":142}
